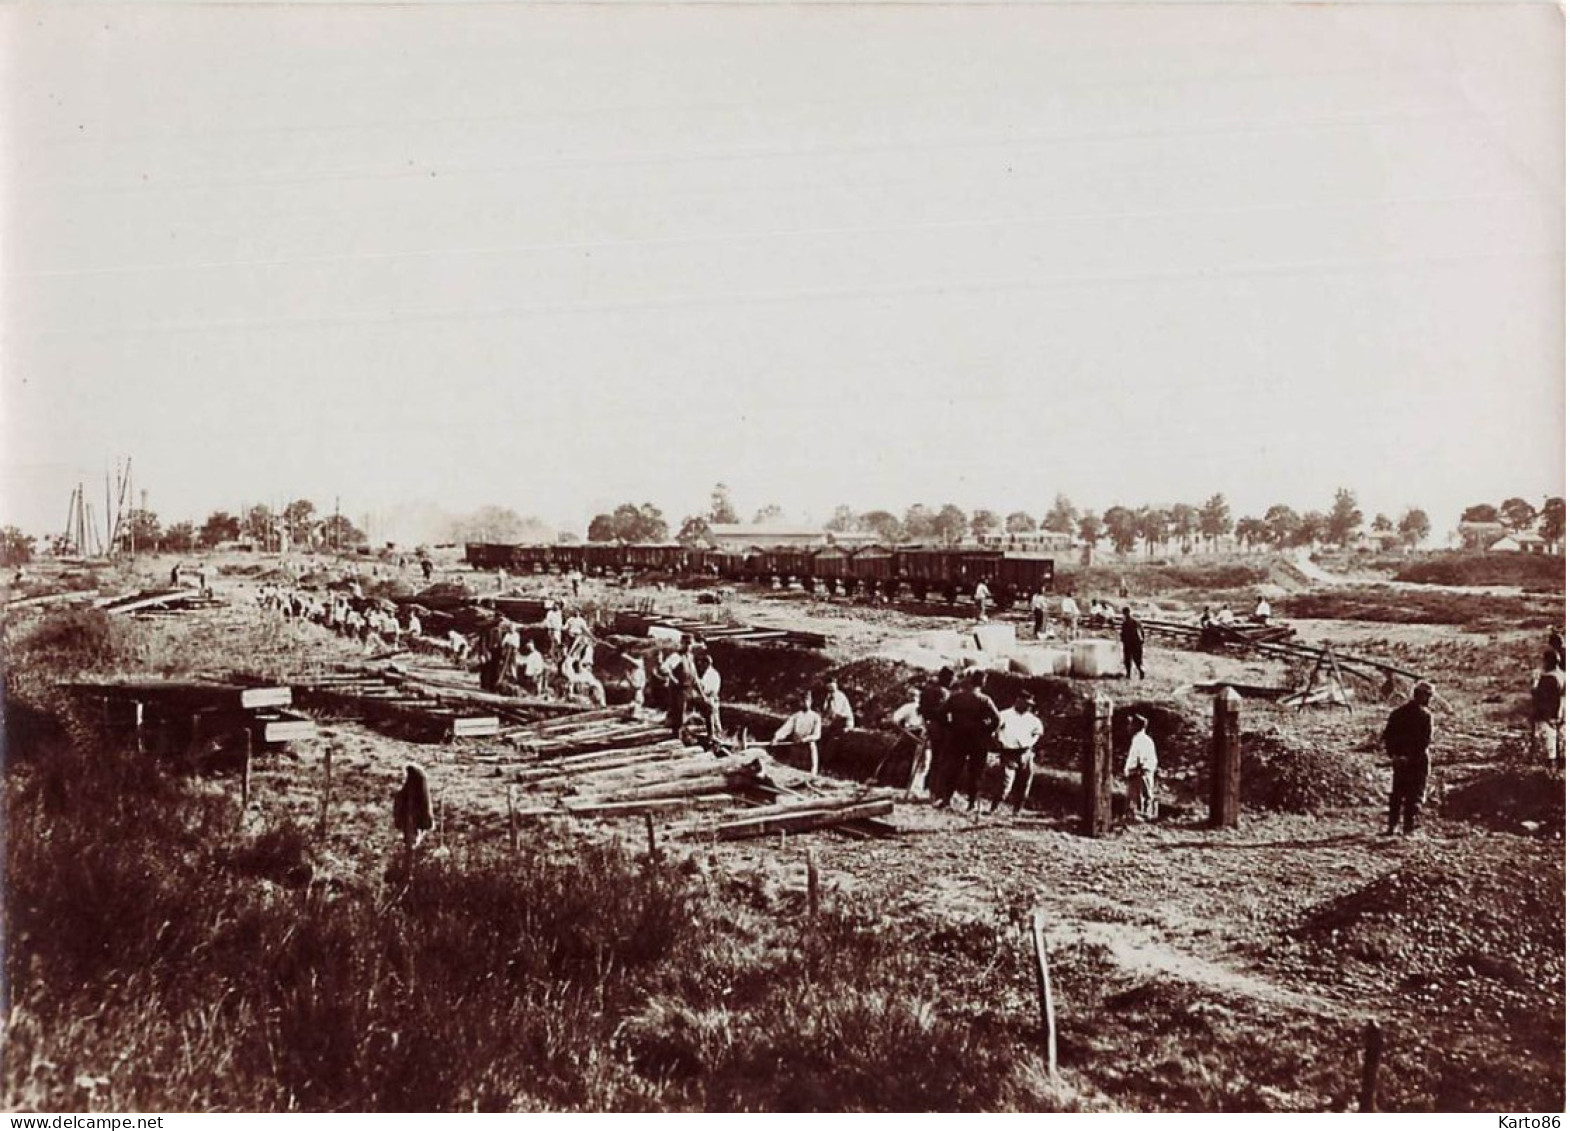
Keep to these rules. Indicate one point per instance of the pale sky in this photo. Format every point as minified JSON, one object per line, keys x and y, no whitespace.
{"x":560,"y":257}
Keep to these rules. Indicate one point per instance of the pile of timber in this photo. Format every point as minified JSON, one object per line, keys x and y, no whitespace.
{"x":1287,"y":649}
{"x":149,"y":602}
{"x":608,"y":767}
{"x":262,"y":711}
{"x":637,"y":624}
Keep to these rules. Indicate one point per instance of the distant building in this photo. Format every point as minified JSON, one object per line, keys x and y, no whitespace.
{"x":1480,"y":535}
{"x":1035,"y":542}
{"x":1524,"y":542}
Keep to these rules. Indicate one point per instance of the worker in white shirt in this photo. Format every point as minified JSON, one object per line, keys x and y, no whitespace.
{"x":553,"y":626}
{"x":1262,"y":610}
{"x":576,"y":628}
{"x":1070,"y":611}
{"x":1140,"y":771}
{"x":837,"y":715}
{"x":1019,"y":730}
{"x":708,"y":695}
{"x":532,"y":665}
{"x":638,"y":681}
{"x":913,"y":726}
{"x":1038,"y":613}
{"x":804,"y":729}
{"x":983,"y":599}
{"x":681,"y":681}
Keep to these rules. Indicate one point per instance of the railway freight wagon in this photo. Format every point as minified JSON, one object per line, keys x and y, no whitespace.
{"x":869,"y":570}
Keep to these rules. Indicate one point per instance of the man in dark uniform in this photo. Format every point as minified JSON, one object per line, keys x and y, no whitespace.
{"x":1132,"y":633}
{"x":934,"y":698}
{"x":971,"y":719}
{"x":1408,"y":733}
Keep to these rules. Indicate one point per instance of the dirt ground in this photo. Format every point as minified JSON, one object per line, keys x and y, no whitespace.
{"x":1185,"y":956}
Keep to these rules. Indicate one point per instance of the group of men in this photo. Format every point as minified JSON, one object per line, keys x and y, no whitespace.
{"x":807,"y":729}
{"x":366,"y":621}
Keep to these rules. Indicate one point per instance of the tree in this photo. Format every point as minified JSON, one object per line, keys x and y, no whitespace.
{"x":338,"y":532}
{"x":949,"y":525}
{"x":1061,"y":518}
{"x":1253,"y":532}
{"x":259,"y":524}
{"x":1019,"y":523}
{"x":141,"y":529}
{"x":299,"y":518}
{"x":771,"y":513}
{"x":1090,"y":528}
{"x":1150,"y":524}
{"x":16,"y":548}
{"x":694,"y":531}
{"x":1185,"y":525}
{"x":918,"y":522}
{"x":984,"y":522}
{"x":221,"y":526}
{"x":1215,"y":519}
{"x":884,"y":526}
{"x":1480,"y":512}
{"x":630,"y":523}
{"x":181,"y":537}
{"x":602,"y":528}
{"x":1342,"y":524}
{"x":1121,"y":528}
{"x":721,"y":509}
{"x":1413,"y":526}
{"x":1283,"y":523}
{"x":1313,"y":530}
{"x":1382,"y":524}
{"x":1517,"y":514}
{"x":842,"y":520}
{"x":1552,"y":524}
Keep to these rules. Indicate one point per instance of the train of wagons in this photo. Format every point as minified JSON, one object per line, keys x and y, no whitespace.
{"x":865,"y":571}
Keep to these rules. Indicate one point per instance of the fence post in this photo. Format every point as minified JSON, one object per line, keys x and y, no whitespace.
{"x":654,"y":844}
{"x":1226,"y":759}
{"x":327,"y":789}
{"x":512,"y":818}
{"x":245,"y":780}
{"x":1373,"y":1047}
{"x":1096,"y":771}
{"x":812,"y":883}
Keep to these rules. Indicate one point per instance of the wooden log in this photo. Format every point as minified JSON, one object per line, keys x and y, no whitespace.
{"x":245,"y":781}
{"x":801,"y":822}
{"x":1096,"y":771}
{"x":686,"y":787}
{"x":1225,"y":759}
{"x":284,"y":726}
{"x":647,"y":806}
{"x":1049,"y":1023}
{"x":663,"y":756}
{"x":812,"y":883}
{"x":50,"y":599}
{"x":327,"y":790}
{"x":475,"y":726}
{"x":512,"y":818}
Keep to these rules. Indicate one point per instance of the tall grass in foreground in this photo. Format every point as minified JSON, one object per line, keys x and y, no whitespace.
{"x":156,"y":960}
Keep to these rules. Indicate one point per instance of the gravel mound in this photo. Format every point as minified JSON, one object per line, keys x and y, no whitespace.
{"x":1281,"y":775}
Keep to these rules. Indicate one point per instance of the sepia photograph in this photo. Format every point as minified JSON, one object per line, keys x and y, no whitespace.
{"x":762,"y":557}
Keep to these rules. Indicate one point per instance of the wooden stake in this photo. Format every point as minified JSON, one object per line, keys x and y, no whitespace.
{"x":1049,"y":1021}
{"x":245,"y":780}
{"x":812,"y":883}
{"x":137,"y":707}
{"x":327,"y":790}
{"x":1373,"y":1048}
{"x":1226,"y":760}
{"x":1096,"y":771}
{"x":512,"y":817}
{"x":654,"y":844}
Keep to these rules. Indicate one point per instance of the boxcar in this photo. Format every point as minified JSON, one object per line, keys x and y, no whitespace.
{"x":1020,"y":575}
{"x":946,"y":571}
{"x":875,"y":569}
{"x":831,"y":569}
{"x":786,"y":563}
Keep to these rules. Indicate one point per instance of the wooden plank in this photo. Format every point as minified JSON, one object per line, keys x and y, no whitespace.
{"x":476,"y":726}
{"x":253,"y":698}
{"x":651,"y":805}
{"x":801,"y":822}
{"x":50,"y":599}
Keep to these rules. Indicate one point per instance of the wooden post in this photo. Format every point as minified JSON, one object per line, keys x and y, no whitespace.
{"x":1096,"y":771}
{"x":327,"y":789}
{"x":1049,"y":1019}
{"x":812,"y":883}
{"x":136,"y":706}
{"x":245,"y":780}
{"x":654,"y":844}
{"x":1373,"y":1047}
{"x":1226,"y":759}
{"x":512,"y":817}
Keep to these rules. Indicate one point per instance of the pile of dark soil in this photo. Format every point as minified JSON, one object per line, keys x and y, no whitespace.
{"x":1531,"y":571}
{"x":770,"y":675}
{"x":1508,"y":797}
{"x":1281,"y":775}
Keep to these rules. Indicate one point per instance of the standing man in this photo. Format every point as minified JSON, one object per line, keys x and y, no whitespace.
{"x":709,"y":695}
{"x":1038,"y":613}
{"x":553,"y":626}
{"x":533,"y":667}
{"x":1019,"y":730}
{"x":1132,"y":634}
{"x":681,"y":678}
{"x":934,"y":702}
{"x":804,"y":728}
{"x":1139,"y":770}
{"x":908,"y":719}
{"x":983,"y":599}
{"x":427,"y":567}
{"x":838,"y":718}
{"x":1408,"y":733}
{"x":1070,"y":615}
{"x":576,"y":628}
{"x":1548,"y":711}
{"x":972,"y":720}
